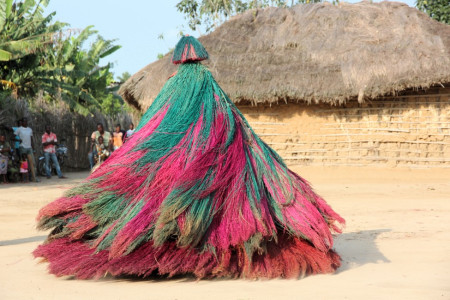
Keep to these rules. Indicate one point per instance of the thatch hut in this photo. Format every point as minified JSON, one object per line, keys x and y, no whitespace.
{"x":347,"y":84}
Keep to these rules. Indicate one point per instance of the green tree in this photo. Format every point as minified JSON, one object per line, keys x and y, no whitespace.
{"x":211,"y":13}
{"x":23,"y":28}
{"x":25,"y":33}
{"x":38,"y":55}
{"x":124,"y":77}
{"x":436,"y":9}
{"x":74,"y":74}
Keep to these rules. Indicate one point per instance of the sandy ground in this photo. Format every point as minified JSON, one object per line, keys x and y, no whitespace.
{"x":396,"y":244}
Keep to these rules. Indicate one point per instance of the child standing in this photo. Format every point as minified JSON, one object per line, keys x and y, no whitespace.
{"x":24,"y":168}
{"x":117,"y":138}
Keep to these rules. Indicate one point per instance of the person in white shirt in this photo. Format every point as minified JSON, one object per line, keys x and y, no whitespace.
{"x":130,"y":131}
{"x":26,"y":146}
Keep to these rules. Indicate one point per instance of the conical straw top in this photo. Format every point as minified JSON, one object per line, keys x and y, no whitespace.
{"x":188,"y":49}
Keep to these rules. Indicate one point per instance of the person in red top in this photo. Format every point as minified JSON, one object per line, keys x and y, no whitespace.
{"x":49,"y":141}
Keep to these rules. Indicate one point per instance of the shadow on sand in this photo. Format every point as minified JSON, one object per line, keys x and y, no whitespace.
{"x":359,"y":248}
{"x":31,"y":239}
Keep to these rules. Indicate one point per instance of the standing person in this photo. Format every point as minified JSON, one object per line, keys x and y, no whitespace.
{"x":27,"y":145}
{"x":196,"y":192}
{"x":117,"y":138}
{"x":49,"y":142}
{"x":130,"y":131}
{"x":24,"y":168}
{"x":5,"y":148}
{"x":17,"y":138}
{"x":94,"y":137}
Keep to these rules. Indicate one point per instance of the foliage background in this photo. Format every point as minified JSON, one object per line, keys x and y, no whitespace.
{"x":39,"y":55}
{"x":436,"y":9}
{"x":51,"y":74}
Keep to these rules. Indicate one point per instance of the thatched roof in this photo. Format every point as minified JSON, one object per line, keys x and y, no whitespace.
{"x":316,"y":53}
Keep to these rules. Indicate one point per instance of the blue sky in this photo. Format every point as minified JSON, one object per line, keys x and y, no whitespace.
{"x":136,"y":24}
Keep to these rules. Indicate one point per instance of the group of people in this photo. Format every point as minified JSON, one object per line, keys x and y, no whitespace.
{"x":24,"y":148}
{"x":21,"y":149}
{"x":103,"y":143}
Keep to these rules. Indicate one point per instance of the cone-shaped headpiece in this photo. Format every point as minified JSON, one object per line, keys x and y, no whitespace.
{"x":188,"y":49}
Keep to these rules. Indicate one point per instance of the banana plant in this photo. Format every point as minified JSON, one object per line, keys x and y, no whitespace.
{"x":75,"y":75}
{"x":23,"y":28}
{"x":5,"y":11}
{"x":25,"y":33}
{"x":37,"y":54}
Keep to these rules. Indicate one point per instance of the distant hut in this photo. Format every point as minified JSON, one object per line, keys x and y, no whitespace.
{"x":323,"y":84}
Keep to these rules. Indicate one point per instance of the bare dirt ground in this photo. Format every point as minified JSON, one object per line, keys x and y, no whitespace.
{"x":396,"y":244}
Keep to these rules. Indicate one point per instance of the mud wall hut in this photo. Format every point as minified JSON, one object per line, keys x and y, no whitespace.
{"x":348,"y":84}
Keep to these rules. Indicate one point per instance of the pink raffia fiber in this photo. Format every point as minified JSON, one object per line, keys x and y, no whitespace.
{"x":289,"y":258}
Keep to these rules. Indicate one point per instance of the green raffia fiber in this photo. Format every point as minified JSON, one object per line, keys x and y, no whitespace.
{"x":189,"y":49}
